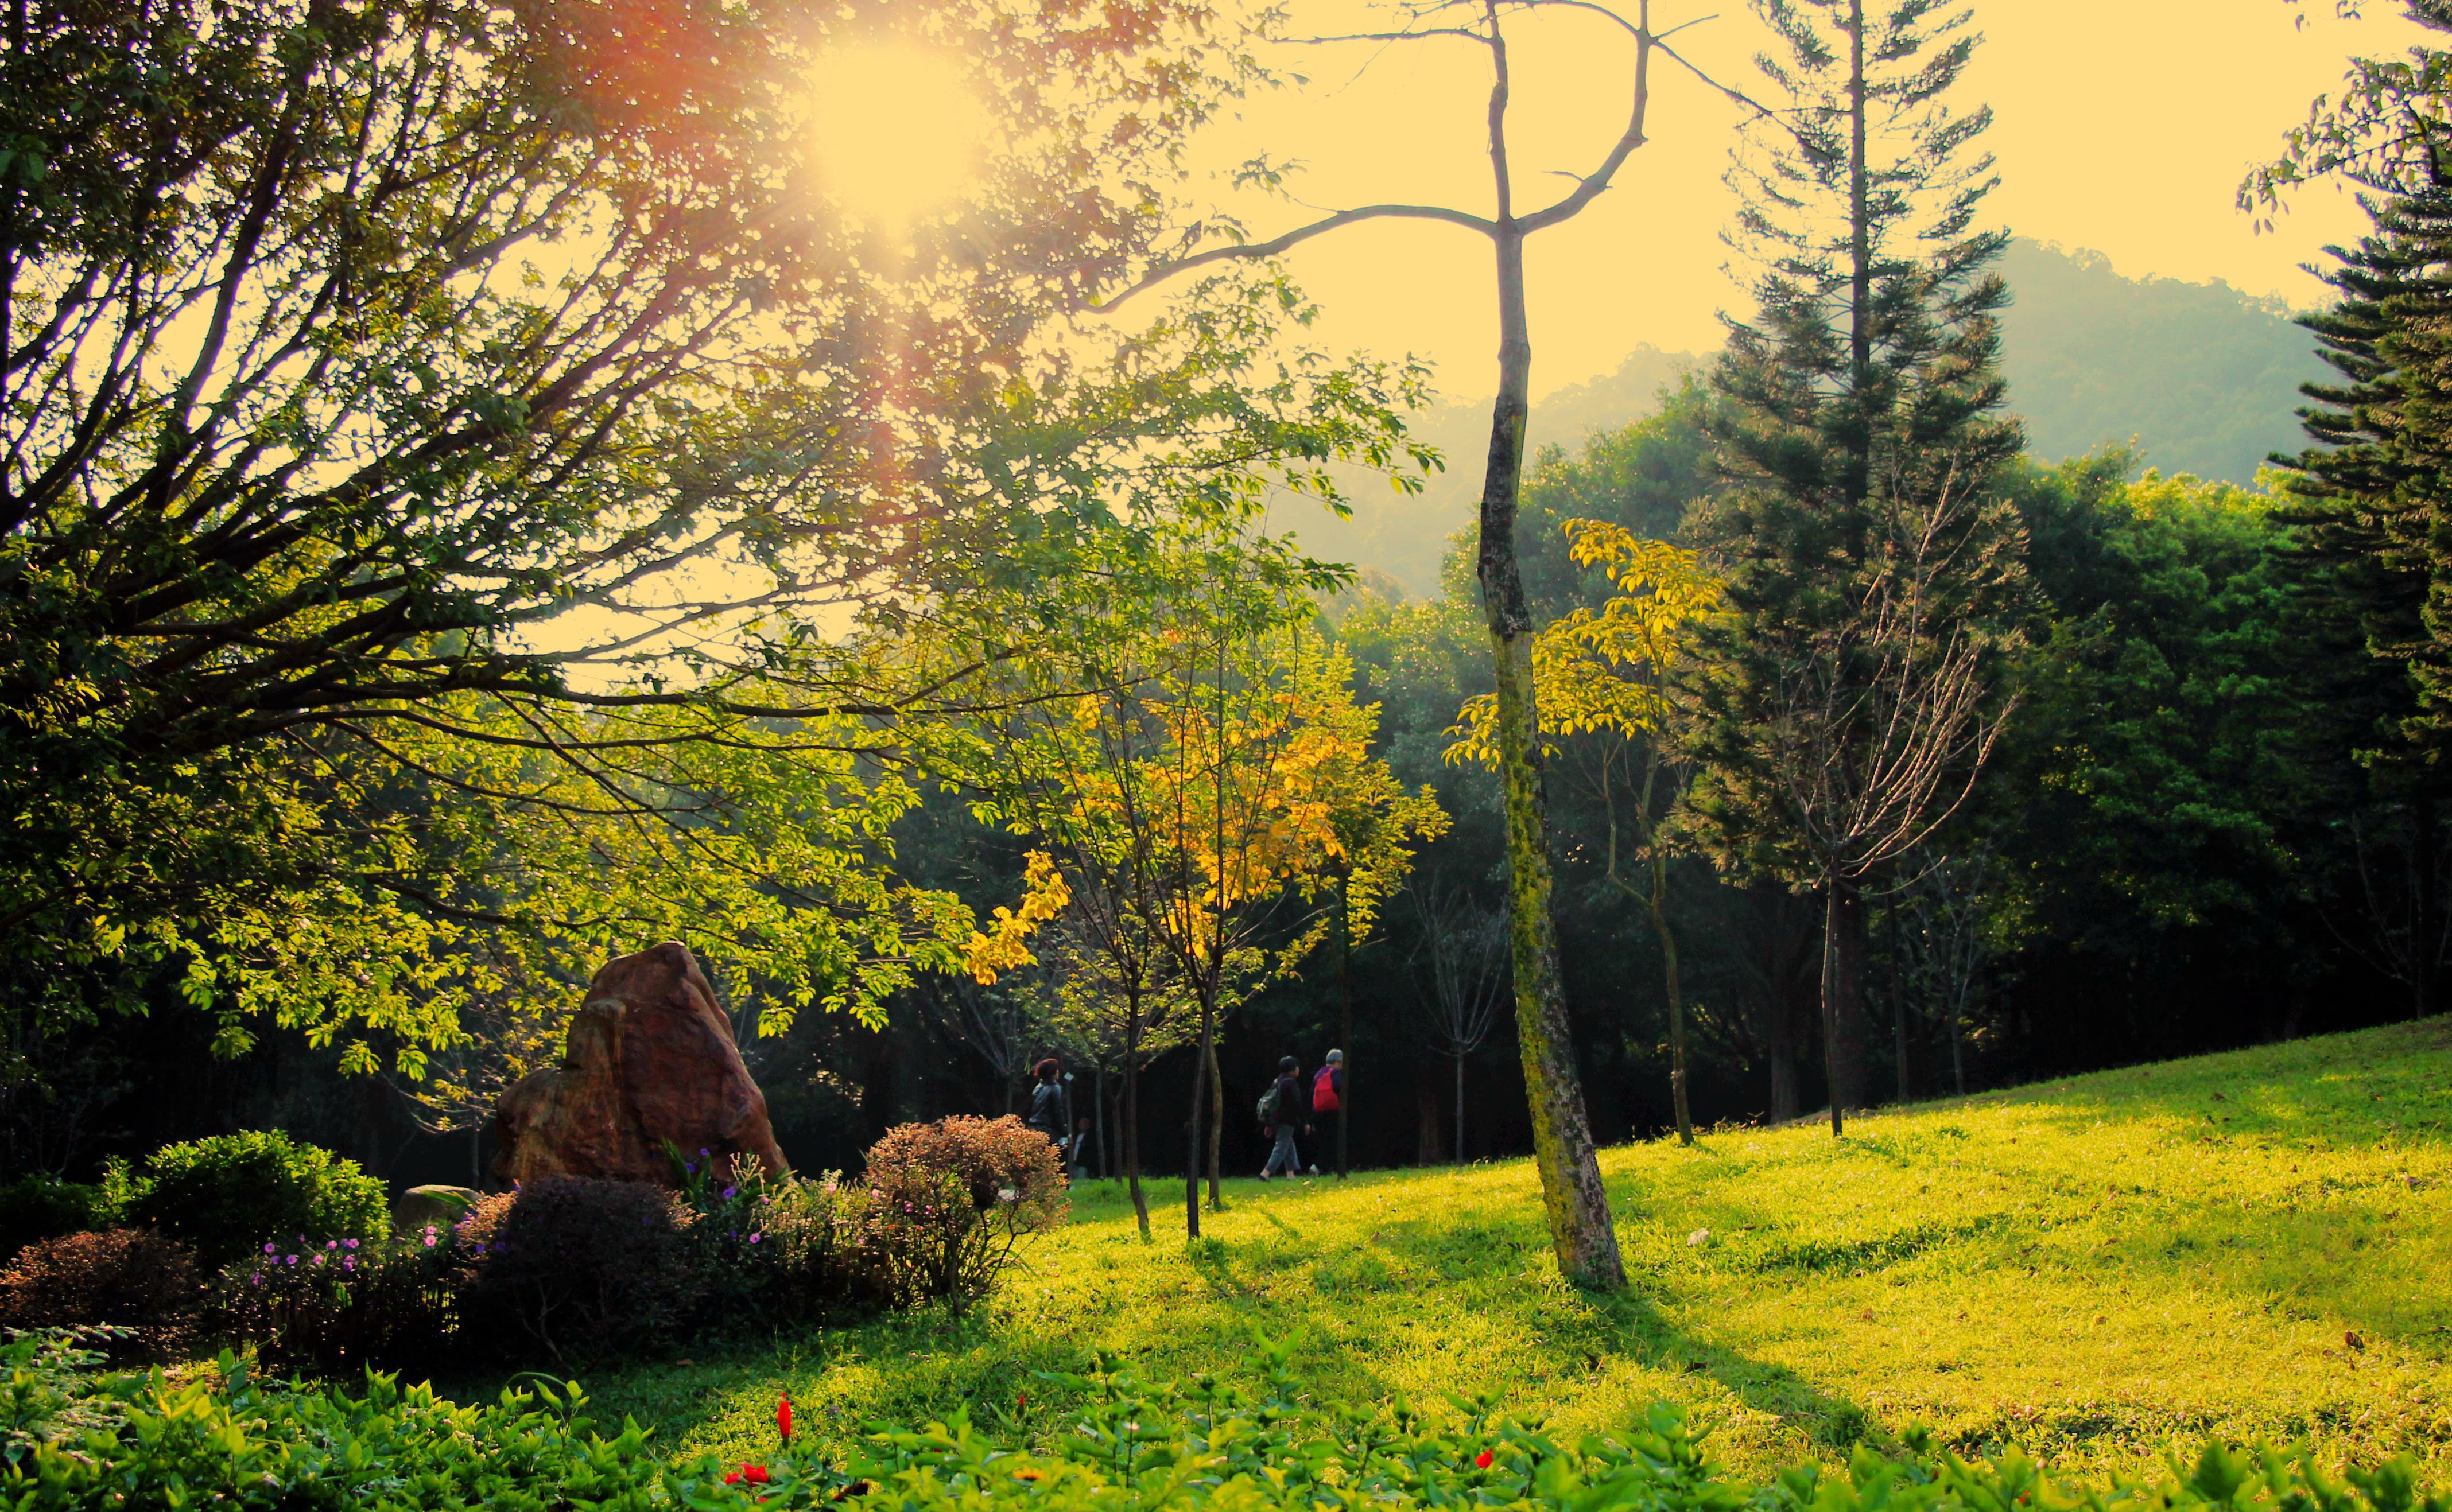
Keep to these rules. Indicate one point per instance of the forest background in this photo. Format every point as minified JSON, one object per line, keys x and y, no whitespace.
{"x":2174,"y":846}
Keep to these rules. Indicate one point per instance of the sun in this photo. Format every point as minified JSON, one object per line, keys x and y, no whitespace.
{"x":895,"y":130}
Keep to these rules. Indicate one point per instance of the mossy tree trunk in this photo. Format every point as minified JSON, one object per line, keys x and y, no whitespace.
{"x":1572,"y":1197}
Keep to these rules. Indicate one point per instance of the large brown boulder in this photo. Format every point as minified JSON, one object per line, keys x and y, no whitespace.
{"x":651,"y":1063}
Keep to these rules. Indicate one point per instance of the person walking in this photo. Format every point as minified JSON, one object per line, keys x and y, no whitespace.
{"x":1328,"y":1096}
{"x":1049,"y":1112}
{"x":1283,"y":1108}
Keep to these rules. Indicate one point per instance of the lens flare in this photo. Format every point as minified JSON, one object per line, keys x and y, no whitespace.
{"x":895,"y":130}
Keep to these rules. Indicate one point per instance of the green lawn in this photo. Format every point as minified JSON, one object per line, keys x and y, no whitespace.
{"x":2256,"y":1244}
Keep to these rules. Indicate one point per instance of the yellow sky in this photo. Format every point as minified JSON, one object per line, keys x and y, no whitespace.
{"x":2122,"y":127}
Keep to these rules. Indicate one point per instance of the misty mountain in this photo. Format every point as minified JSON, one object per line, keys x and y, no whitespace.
{"x":2202,"y":378}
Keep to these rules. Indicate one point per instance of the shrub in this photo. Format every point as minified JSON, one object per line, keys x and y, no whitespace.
{"x":577,"y":1266}
{"x":223,"y":1197}
{"x":778,"y":1251}
{"x":950,"y":1200}
{"x":138,"y":1281}
{"x":42,"y":1207}
{"x":350,"y":1305}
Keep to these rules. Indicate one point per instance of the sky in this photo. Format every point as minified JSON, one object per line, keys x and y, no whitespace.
{"x":2122,"y":127}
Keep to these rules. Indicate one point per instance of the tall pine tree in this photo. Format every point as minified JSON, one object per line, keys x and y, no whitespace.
{"x":2373,"y":503}
{"x":1872,"y":574}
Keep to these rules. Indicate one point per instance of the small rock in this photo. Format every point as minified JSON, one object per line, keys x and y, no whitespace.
{"x":1867,"y":1315}
{"x":2354,"y":1339}
{"x":1698,"y":1238}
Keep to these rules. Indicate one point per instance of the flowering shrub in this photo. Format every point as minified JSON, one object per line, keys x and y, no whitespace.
{"x":780,"y":1251}
{"x":144,"y":1283}
{"x":344,"y":1305}
{"x":948,"y":1201}
{"x":575,"y":1266}
{"x":74,"y":1440}
{"x":223,"y":1197}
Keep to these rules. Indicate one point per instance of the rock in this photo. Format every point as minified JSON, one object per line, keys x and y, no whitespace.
{"x":439,"y":1206}
{"x":651,"y":1062}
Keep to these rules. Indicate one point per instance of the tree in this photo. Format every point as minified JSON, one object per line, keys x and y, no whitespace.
{"x":1850,"y":697}
{"x":1469,"y":978}
{"x":2371,"y":510}
{"x":1120,"y":996}
{"x":1219,"y":769}
{"x":1609,"y":672}
{"x":489,"y":373}
{"x":1582,"y":1233}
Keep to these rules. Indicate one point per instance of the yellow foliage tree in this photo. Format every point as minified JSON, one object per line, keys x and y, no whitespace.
{"x":1221,"y":774}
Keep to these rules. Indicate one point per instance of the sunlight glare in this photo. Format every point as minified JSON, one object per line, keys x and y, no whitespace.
{"x":895,"y":130}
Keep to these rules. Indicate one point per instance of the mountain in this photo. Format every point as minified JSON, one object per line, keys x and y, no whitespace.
{"x":2202,"y":378}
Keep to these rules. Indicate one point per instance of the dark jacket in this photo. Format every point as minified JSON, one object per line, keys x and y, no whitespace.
{"x":1048,"y":1112}
{"x":1293,"y":1098}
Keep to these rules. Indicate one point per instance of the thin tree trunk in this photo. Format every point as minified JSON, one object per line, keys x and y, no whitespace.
{"x":1216,"y":1128}
{"x":1898,"y":1006}
{"x":1344,"y":1019}
{"x":1098,"y":1166}
{"x":1459,"y":1115}
{"x":1133,"y":1119}
{"x":1676,"y":1023}
{"x":1655,"y":902}
{"x":1194,"y":1125}
{"x":2424,"y":930}
{"x":1958,"y":1039}
{"x":1581,"y":1231}
{"x":1843,"y":997}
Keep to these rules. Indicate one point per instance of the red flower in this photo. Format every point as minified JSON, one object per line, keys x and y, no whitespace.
{"x":754,"y":1473}
{"x":784,"y":1418}
{"x":1021,"y":1402}
{"x":1484,"y":1458}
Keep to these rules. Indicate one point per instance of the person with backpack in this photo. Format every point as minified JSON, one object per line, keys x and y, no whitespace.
{"x":1050,"y":1111}
{"x":1282,"y":1107}
{"x":1328,"y":1096}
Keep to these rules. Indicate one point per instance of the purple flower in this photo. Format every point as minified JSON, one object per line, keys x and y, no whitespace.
{"x":429,"y":1242}
{"x":730,"y":1192}
{"x":754,"y":1238}
{"x":271,"y":1250}
{"x":351,"y":1263}
{"x":256,"y":1279}
{"x":332,"y":1244}
{"x":292,"y":1258}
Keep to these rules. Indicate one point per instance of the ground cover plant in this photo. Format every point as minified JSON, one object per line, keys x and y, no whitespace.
{"x":2251,"y":1246}
{"x":72,"y":1439}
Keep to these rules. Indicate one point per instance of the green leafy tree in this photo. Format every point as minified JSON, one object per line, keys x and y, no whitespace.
{"x":389,"y":386}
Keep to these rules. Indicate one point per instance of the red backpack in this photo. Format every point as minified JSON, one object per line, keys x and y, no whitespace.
{"x":1323,"y":1090}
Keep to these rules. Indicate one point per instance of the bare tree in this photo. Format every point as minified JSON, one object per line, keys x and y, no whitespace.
{"x":2400,"y":862}
{"x":1009,"y":1024}
{"x":1581,"y":1232}
{"x":1879,"y":728}
{"x":1466,"y":950}
{"x":1950,"y":944}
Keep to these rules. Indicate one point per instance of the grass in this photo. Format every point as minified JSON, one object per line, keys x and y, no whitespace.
{"x":2254,"y":1245}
